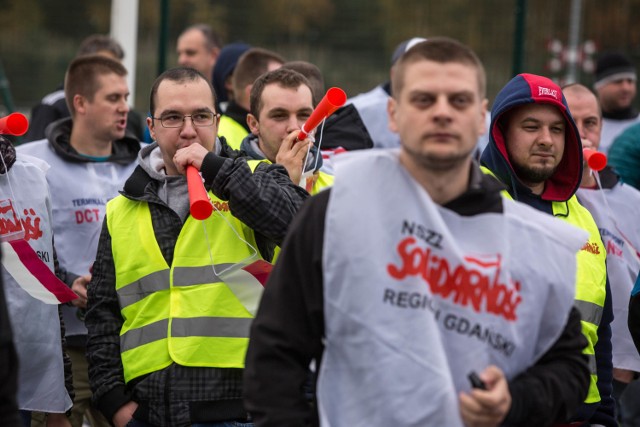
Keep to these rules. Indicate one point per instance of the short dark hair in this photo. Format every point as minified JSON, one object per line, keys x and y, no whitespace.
{"x":211,"y":37}
{"x":283,"y":77}
{"x":251,"y":65}
{"x":178,"y":75}
{"x":313,"y":74}
{"x":99,"y":42}
{"x":442,"y":50}
{"x":82,"y":74}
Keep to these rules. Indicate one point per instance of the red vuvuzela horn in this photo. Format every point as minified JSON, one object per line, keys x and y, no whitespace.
{"x":14,"y":124}
{"x":199,"y":203}
{"x":332,"y":100}
{"x":595,"y":159}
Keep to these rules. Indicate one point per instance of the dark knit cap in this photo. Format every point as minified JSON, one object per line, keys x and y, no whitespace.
{"x":613,"y":66}
{"x":405,"y":46}
{"x":225,"y":64}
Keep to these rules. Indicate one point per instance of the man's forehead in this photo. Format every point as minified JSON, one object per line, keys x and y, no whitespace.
{"x":111,"y":82}
{"x":582,"y":100}
{"x":276,"y":96}
{"x":537,"y":110}
{"x":187,"y":91}
{"x":463,"y":75}
{"x":193,"y":36}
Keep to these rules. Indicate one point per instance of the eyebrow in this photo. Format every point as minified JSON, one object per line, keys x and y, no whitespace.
{"x":127,"y":93}
{"x":533,"y":119}
{"x":279,"y":110}
{"x":435,"y":92}
{"x":197,"y":110}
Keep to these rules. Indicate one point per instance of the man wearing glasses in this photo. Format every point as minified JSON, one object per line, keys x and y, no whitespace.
{"x":167,"y":331}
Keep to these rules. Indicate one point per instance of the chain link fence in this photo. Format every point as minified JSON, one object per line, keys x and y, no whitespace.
{"x":350,"y":40}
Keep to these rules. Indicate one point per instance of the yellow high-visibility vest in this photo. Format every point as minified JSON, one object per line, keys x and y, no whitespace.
{"x":183,"y":312}
{"x":232,"y":131}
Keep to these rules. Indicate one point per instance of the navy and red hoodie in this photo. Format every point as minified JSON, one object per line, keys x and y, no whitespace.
{"x":560,"y":187}
{"x":528,"y":89}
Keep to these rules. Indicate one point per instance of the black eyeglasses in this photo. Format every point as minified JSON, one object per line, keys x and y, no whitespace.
{"x":175,"y":120}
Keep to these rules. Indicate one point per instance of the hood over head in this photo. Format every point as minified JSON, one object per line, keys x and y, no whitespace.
{"x":225,"y":64}
{"x":527,"y":89}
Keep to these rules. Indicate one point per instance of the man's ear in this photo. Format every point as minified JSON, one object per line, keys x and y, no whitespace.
{"x":483,"y":127}
{"x":79,"y":103}
{"x":392,"y":107}
{"x":252,"y":121}
{"x":152,"y":131}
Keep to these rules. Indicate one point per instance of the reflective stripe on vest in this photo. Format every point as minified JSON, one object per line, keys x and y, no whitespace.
{"x":590,"y":279}
{"x":183,"y":313}
{"x":232,"y":131}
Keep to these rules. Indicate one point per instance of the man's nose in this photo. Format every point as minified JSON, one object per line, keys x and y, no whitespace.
{"x":442,"y":108}
{"x":545,"y":135}
{"x":187,"y":125}
{"x":294,"y":124}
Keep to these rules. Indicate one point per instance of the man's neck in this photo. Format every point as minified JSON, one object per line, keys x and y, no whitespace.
{"x":536,"y":189}
{"x":443,"y":186}
{"x":85,"y":143}
{"x":628,"y":113}
{"x":266,"y":153}
{"x":588,"y":180}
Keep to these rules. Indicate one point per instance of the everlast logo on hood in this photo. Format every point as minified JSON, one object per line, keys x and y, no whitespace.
{"x":475,"y":284}
{"x":548,"y":92}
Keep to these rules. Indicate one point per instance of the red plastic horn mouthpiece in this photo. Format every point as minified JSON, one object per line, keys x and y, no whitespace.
{"x":199,"y":203}
{"x":14,"y":124}
{"x":595,"y":159}
{"x":332,"y":100}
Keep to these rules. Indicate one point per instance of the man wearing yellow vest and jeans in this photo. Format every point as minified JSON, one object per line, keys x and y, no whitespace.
{"x":172,"y":297}
{"x":535,"y":150}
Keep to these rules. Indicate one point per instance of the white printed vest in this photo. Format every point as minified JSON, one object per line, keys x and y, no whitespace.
{"x":416,"y":297}
{"x":79,"y":194}
{"x":24,"y":198}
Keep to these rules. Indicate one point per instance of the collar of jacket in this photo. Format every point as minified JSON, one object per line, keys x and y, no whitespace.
{"x":124,"y":151}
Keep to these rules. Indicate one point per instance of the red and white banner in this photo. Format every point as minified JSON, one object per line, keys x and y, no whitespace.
{"x":33,"y":275}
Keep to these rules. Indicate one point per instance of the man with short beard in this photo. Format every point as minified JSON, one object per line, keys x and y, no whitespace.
{"x":535,"y":150}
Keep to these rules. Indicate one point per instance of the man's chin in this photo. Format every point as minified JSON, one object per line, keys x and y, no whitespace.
{"x":118,"y":135}
{"x":441,"y":161}
{"x":536,"y":174}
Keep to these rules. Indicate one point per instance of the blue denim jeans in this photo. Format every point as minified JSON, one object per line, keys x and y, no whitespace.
{"x":25,"y":416}
{"x":136,"y":423}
